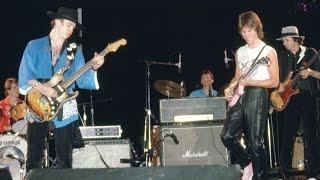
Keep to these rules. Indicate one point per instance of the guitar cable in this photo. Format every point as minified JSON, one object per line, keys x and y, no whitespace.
{"x":100,"y":156}
{"x":214,"y":145}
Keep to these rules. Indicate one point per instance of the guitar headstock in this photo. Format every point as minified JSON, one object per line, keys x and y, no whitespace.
{"x":113,"y":47}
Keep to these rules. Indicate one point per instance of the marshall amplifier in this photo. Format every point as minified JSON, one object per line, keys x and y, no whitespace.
{"x":192,"y":110}
{"x":192,"y":145}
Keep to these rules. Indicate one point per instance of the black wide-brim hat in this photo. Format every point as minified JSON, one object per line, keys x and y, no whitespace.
{"x":66,"y":13}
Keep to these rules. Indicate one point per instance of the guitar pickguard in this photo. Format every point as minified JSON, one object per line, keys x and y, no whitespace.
{"x":47,"y":108}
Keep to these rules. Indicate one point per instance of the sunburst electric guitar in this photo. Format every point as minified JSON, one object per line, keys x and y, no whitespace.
{"x":46,"y":108}
{"x":279,"y":100}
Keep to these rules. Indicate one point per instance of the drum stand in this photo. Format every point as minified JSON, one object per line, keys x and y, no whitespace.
{"x":147,"y":120}
{"x":22,"y":169}
{"x":46,"y":154}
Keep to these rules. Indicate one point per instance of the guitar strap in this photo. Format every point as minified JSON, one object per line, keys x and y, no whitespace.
{"x":255,"y":60}
{"x":253,"y":64}
{"x":71,"y":51}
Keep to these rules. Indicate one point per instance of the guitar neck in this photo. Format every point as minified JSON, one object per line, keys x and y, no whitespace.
{"x":313,"y":59}
{"x":65,"y":84}
{"x":298,"y":77}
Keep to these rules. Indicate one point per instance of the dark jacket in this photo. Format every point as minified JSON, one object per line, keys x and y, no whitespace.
{"x":288,"y":62}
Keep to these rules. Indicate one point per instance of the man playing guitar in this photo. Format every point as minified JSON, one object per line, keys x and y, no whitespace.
{"x":300,"y":114}
{"x":249,"y":114}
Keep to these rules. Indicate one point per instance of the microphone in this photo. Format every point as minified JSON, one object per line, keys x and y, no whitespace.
{"x":210,"y":91}
{"x":179,"y":64}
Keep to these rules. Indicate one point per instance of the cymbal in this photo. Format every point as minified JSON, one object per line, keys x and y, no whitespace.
{"x":169,"y":88}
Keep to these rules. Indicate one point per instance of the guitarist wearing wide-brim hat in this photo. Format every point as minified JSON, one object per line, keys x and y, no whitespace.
{"x":54,"y":57}
{"x":300,"y":109}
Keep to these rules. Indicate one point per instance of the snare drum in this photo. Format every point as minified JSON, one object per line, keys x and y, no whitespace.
{"x":13,"y":153}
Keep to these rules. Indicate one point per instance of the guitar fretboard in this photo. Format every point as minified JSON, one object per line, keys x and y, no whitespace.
{"x":298,"y":77}
{"x":65,"y":84}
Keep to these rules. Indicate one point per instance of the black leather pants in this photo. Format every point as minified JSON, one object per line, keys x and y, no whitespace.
{"x":248,"y":116}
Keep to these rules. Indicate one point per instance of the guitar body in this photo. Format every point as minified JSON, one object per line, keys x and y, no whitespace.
{"x":237,"y":93}
{"x":279,"y":100}
{"x":46,"y":108}
{"x":239,"y":88}
{"x":18,"y":111}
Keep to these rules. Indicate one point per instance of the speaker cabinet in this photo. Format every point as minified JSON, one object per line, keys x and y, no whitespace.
{"x":197,"y":145}
{"x":102,"y":153}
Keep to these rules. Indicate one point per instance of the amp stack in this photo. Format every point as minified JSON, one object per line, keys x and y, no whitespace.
{"x":104,"y":148}
{"x":189,"y":133}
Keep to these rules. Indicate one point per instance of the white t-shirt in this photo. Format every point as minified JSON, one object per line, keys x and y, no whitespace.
{"x":246,"y":56}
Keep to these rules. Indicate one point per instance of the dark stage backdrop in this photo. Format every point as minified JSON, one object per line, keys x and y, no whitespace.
{"x":155,"y":31}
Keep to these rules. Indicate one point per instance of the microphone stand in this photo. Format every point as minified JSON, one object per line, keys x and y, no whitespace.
{"x":153,"y":148}
{"x":147,"y":121}
{"x":271,"y":139}
{"x":91,"y":109}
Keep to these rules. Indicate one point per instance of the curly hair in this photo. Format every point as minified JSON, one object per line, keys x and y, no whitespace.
{"x":8,"y":84}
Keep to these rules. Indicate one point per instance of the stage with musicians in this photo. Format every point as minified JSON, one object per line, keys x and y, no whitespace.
{"x":150,"y":99}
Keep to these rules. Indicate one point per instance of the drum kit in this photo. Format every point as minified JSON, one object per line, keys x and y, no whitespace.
{"x":13,"y":147}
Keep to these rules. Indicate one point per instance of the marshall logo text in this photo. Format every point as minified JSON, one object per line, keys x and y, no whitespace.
{"x":190,"y":154}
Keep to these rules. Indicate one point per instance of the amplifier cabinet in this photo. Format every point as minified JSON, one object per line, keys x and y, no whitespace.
{"x":192,"y":109}
{"x":197,"y":145}
{"x":102,"y":153}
